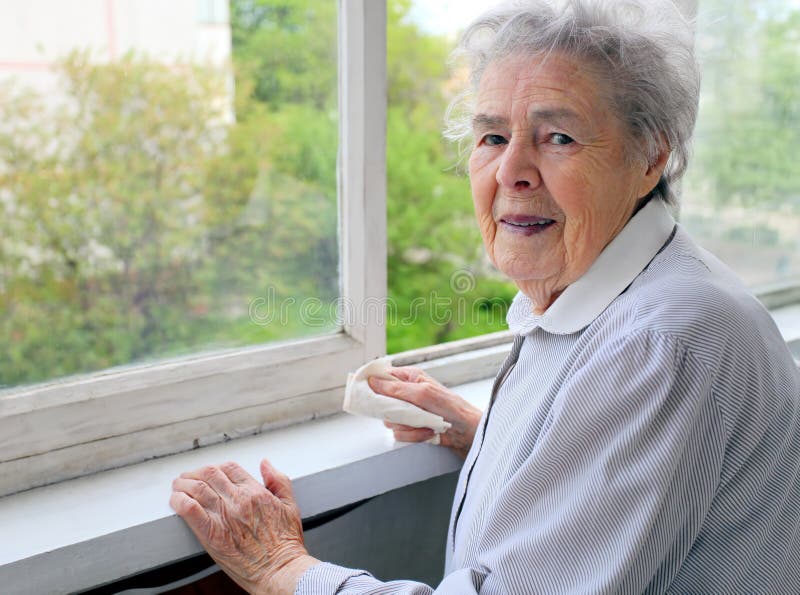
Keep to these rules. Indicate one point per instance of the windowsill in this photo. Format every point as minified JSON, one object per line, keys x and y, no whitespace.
{"x":788,"y":320}
{"x":85,"y":532}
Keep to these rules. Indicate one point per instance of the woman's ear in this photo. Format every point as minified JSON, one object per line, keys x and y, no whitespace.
{"x":655,"y":169}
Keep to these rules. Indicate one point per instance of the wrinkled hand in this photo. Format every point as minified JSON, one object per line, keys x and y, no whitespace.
{"x":252,"y":531}
{"x":416,"y":387}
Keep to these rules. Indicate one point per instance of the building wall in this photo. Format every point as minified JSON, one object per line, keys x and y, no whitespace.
{"x":36,"y":33}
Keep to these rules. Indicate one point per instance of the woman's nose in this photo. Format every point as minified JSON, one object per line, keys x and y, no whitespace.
{"x":518,"y":169}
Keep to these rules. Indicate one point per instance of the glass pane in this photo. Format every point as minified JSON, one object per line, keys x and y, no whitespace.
{"x":155,"y":201}
{"x":441,"y":285}
{"x":741,"y":198}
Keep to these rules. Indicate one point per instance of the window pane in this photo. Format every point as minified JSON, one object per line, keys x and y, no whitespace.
{"x":212,"y":12}
{"x":441,"y":286}
{"x":156,"y":202}
{"x":741,"y":198}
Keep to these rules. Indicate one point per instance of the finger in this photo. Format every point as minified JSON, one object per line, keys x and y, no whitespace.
{"x":399,"y":389}
{"x":383,"y":385}
{"x":276,"y":482}
{"x":199,"y":491}
{"x":407,"y":373}
{"x":215,"y":478}
{"x":237,"y":474}
{"x":195,"y":516}
{"x":189,"y":510}
{"x":414,"y":435}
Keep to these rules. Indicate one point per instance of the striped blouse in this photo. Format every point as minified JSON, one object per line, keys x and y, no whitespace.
{"x":643,"y":436}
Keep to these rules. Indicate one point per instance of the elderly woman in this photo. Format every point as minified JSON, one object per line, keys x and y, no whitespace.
{"x":644,"y":433}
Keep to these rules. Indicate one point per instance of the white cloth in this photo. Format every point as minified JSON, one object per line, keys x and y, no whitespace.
{"x":360,"y":399}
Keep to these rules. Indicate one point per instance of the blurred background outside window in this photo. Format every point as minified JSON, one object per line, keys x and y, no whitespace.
{"x":164,"y":167}
{"x":741,"y":195}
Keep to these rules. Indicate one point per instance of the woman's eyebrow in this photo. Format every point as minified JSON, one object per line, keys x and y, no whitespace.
{"x":485,"y":121}
{"x":560,"y":115}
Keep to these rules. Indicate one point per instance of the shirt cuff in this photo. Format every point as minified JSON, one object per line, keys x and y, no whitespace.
{"x":325,"y":579}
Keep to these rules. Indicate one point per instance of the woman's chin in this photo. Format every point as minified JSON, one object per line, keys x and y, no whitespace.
{"x":530,"y":277}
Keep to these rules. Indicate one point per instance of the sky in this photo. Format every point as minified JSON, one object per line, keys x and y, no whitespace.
{"x":450,"y":16}
{"x":447,"y":16}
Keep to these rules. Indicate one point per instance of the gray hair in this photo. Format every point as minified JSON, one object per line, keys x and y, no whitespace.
{"x":642,"y":49}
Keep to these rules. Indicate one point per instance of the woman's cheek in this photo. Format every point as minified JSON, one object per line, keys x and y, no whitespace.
{"x":480,"y":159}
{"x":487,"y":225}
{"x":483,"y":179}
{"x":483,"y":182}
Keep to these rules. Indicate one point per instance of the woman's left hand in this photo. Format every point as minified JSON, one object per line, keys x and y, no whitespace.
{"x":252,"y":531}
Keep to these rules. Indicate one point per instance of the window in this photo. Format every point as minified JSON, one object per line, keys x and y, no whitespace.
{"x":741,"y":196}
{"x":442,"y":286}
{"x":212,"y":12}
{"x":183,"y":393}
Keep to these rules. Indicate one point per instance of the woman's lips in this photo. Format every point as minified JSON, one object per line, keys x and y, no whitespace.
{"x":525,"y":224}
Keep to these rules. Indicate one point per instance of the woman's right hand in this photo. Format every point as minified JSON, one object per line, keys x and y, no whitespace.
{"x":416,"y":387}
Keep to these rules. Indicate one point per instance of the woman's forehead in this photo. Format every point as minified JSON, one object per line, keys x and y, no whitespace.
{"x":551,"y":87}
{"x":553,"y":70}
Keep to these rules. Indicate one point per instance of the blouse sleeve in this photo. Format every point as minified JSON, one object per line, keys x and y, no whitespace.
{"x":328,"y":579}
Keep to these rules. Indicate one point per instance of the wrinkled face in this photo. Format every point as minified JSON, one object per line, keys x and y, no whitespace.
{"x":550,"y":182}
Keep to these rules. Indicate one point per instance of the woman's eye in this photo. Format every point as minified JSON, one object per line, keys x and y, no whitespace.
{"x":494,"y":139}
{"x":559,"y":138}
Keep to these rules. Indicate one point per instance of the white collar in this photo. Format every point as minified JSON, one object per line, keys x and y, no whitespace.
{"x":615,"y":268}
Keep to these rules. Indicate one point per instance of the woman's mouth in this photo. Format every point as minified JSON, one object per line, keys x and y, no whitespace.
{"x":526,"y":225}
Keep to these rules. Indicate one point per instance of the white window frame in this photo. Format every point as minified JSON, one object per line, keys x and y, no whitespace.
{"x":63,"y":429}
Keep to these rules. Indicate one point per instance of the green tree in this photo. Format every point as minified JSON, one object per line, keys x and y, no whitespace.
{"x":103,"y":197}
{"x":438,"y":277}
{"x":749,"y":128}
{"x":140,"y":220}
{"x":284,"y":52}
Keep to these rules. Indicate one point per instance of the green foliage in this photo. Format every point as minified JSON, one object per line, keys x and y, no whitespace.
{"x":432,"y":235}
{"x":749,"y":129}
{"x":286,"y":51}
{"x":101,"y":222}
{"x":144,"y":214}
{"x":152,"y":223}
